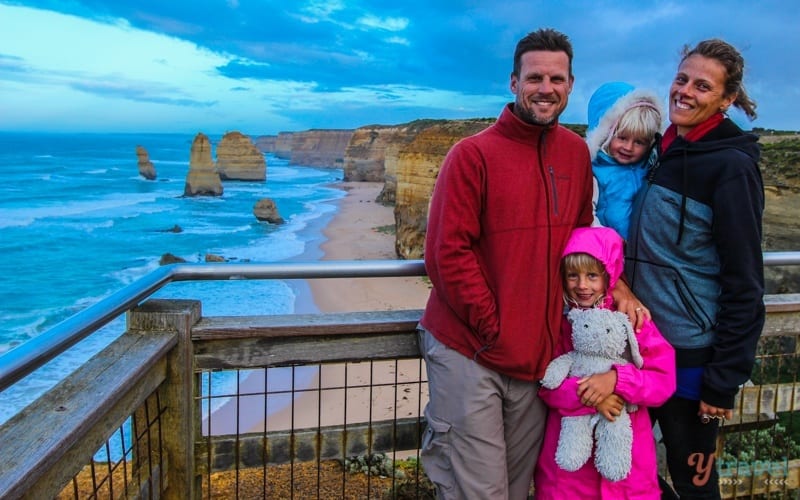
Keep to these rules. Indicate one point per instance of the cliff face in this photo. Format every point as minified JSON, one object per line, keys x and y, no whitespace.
{"x":283,"y":145}
{"x":365,"y":156}
{"x":239,"y":159}
{"x":780,"y":169}
{"x":320,"y":148}
{"x":266,"y":143}
{"x":418,"y":164}
{"x":202,"y":178}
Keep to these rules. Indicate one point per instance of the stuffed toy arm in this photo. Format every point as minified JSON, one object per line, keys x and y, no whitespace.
{"x":557,"y":371}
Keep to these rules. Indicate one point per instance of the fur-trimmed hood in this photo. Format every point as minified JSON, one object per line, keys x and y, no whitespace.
{"x":606,"y":106}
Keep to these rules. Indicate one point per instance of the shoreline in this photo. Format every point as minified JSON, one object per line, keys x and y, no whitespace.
{"x":353,"y":232}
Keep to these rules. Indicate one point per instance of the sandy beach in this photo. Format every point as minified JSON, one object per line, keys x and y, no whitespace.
{"x":360,"y":230}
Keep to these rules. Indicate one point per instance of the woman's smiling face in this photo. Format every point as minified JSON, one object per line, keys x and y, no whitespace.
{"x":697,"y":92}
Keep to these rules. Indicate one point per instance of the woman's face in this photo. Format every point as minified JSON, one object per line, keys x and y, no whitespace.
{"x":697,"y":92}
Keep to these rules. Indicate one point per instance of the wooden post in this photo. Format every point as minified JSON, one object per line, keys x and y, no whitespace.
{"x":178,"y":398}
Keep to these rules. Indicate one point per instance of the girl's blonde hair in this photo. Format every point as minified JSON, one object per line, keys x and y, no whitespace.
{"x":580,"y":262}
{"x":642,"y":119}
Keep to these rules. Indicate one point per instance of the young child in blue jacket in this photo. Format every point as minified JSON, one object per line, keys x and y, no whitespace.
{"x":623,"y":126}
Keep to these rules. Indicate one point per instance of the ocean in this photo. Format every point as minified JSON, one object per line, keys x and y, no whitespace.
{"x":78,"y":223}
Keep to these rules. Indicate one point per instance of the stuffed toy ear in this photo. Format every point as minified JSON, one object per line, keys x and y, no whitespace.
{"x":636,"y":356}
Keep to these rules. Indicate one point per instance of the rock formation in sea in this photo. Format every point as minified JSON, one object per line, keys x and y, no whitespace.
{"x":146,"y":168}
{"x":417,"y":166}
{"x":169,"y":258}
{"x":239,"y":159}
{"x":202,"y":179}
{"x":266,"y":210}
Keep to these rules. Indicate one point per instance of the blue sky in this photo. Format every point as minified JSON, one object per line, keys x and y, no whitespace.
{"x":266,"y":66}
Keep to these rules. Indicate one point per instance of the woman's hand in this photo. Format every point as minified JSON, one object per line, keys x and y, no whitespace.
{"x":611,"y":407}
{"x":709,"y":411}
{"x":627,"y":303}
{"x":592,"y":390}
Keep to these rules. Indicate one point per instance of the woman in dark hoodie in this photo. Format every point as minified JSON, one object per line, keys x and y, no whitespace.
{"x":694,"y":257}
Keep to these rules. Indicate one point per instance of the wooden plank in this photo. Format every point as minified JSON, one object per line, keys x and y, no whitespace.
{"x":230,"y":327}
{"x":284,"y":351}
{"x":771,"y":398}
{"x":181,"y":421}
{"x":49,"y":441}
{"x":781,"y":323}
{"x":784,"y":302}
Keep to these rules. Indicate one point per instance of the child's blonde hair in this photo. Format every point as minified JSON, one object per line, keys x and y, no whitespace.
{"x":641,"y":119}
{"x":580,"y":262}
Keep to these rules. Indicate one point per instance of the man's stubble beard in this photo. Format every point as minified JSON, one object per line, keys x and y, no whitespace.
{"x":530,"y":117}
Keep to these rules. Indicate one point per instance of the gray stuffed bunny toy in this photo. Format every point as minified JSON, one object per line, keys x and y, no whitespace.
{"x":601,"y":338}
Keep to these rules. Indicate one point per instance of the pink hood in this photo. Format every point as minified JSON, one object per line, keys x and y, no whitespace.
{"x":605,"y":245}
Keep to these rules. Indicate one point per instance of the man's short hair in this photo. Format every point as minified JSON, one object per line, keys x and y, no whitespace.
{"x":542,"y":39}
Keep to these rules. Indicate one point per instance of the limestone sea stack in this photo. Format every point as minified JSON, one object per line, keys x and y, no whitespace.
{"x":266,"y":210}
{"x":239,"y":159}
{"x":146,"y":168}
{"x":202,"y":179}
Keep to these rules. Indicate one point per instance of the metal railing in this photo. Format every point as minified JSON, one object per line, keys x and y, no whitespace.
{"x":24,"y":359}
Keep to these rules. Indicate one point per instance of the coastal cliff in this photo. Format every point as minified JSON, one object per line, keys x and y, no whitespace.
{"x":320,"y":148}
{"x":418,"y":164}
{"x":780,"y":169}
{"x":283,"y":145}
{"x":312,"y":148}
{"x":365,"y":156}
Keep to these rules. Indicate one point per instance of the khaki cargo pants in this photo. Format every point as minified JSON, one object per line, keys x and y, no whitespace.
{"x":484,"y":429}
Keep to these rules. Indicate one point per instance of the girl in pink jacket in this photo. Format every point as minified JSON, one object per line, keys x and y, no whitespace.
{"x":592,"y":263}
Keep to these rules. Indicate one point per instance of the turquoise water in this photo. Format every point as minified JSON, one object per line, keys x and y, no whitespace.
{"x":78,"y":223}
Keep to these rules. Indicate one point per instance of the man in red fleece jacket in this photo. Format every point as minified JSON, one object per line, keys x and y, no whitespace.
{"x":504,"y":204}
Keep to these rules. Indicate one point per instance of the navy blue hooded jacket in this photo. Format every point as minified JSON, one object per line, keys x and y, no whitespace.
{"x":694,"y":255}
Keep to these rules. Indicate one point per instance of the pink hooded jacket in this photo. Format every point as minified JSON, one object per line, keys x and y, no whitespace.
{"x":651,"y":385}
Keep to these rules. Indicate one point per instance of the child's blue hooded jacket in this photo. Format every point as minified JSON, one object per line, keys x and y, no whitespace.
{"x":617,"y":184}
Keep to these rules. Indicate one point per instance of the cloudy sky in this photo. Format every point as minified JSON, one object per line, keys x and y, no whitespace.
{"x":264,"y":66}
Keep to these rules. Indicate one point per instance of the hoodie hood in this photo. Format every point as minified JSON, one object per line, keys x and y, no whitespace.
{"x":608,"y":103}
{"x":605,"y":245}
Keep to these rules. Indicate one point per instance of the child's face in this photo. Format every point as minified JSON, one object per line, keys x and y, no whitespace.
{"x":585,"y":288}
{"x":626,"y":149}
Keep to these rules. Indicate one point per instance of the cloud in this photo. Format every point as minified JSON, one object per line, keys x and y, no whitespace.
{"x":388,"y":23}
{"x":114,"y":88}
{"x":308,"y":63}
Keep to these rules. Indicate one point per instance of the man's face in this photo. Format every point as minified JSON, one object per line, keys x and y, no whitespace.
{"x":542,"y":87}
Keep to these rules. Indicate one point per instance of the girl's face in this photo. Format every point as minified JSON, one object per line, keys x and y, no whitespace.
{"x":586,"y":288}
{"x":697,"y":92}
{"x":627,"y":149}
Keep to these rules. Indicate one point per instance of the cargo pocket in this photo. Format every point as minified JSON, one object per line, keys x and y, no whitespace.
{"x":435,"y":453}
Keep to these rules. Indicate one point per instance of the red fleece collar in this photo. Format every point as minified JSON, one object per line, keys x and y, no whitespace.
{"x":694,"y":134}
